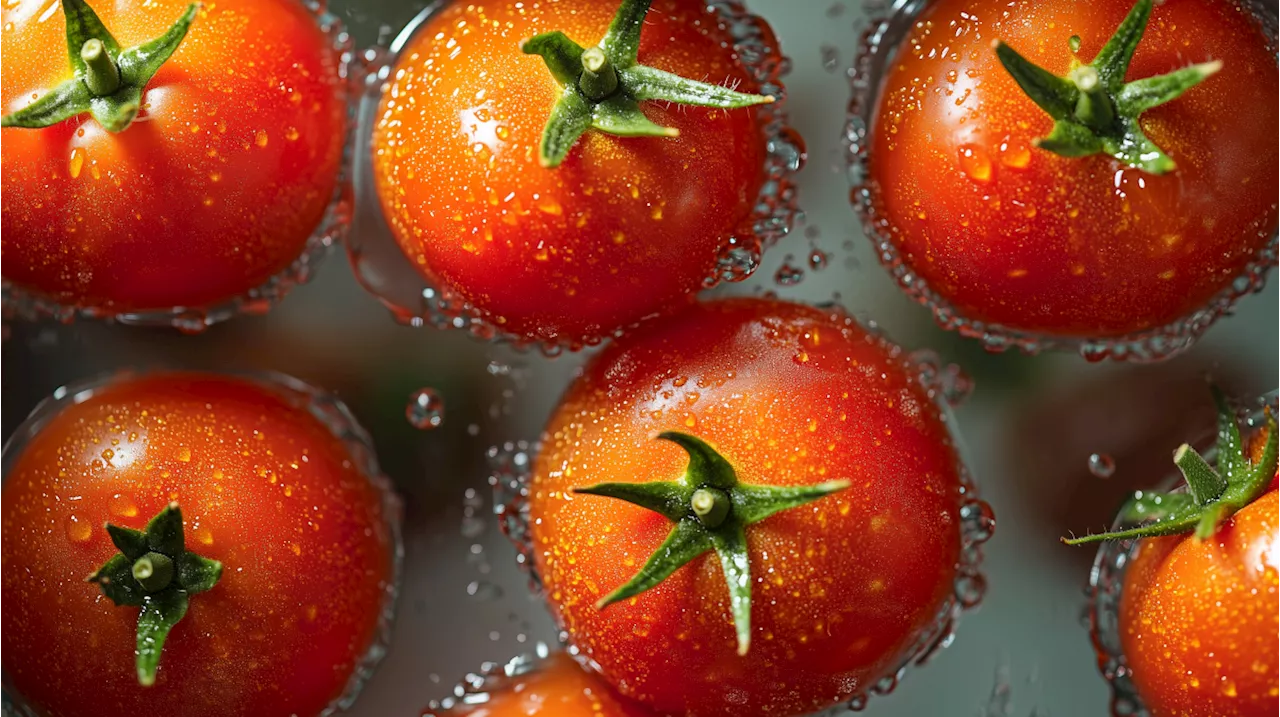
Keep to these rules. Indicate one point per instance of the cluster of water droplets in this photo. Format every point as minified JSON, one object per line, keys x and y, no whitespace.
{"x":382,"y":269}
{"x":887,"y":28}
{"x":20,"y":304}
{"x":476,"y":688}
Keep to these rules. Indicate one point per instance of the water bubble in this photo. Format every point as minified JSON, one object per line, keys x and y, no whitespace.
{"x":425,"y":409}
{"x":975,"y":163}
{"x":788,"y":274}
{"x":818,"y":259}
{"x":830,"y":57}
{"x":78,"y":529}
{"x":969,"y":589}
{"x":978,"y":520}
{"x":1102,"y":465}
{"x":483,"y":590}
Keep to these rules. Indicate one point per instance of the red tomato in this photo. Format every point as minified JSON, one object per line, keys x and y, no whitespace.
{"x":264,"y":487}
{"x":1074,"y":247}
{"x":624,"y":228}
{"x":789,"y":395}
{"x":1199,"y":620}
{"x":557,"y":687}
{"x":212,"y":190}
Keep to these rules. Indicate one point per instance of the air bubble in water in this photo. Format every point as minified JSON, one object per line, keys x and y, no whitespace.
{"x":483,"y":590}
{"x":425,"y":410}
{"x":1102,"y":465}
{"x":818,"y":259}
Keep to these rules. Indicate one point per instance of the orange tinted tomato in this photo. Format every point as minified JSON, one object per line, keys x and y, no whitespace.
{"x":264,"y":487}
{"x":1018,"y":236}
{"x":1200,"y":621}
{"x":557,"y":687}
{"x":625,"y":227}
{"x":789,"y":395}
{"x":211,"y":191}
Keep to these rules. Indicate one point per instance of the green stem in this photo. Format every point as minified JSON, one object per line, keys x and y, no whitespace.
{"x":1094,"y":111}
{"x":100,"y":71}
{"x":711,"y":505}
{"x":153,"y":571}
{"x":1213,"y":494}
{"x":605,"y":83}
{"x":599,"y":79}
{"x":710,"y":510}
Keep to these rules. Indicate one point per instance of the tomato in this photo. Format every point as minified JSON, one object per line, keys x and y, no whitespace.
{"x":1198,"y":620}
{"x":213,"y":189}
{"x":782,"y":395}
{"x":263,"y":487}
{"x":622,"y":228}
{"x":1011,"y":234}
{"x":557,"y":687}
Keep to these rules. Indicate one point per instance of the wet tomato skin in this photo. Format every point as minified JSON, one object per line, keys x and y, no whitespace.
{"x":1199,"y":620}
{"x":624,"y":228}
{"x":558,"y":687}
{"x":215,"y":187}
{"x":264,"y":487}
{"x":789,"y":395}
{"x":1010,"y":234}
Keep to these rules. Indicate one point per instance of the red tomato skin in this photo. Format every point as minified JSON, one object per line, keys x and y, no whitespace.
{"x":624,"y":228}
{"x":558,"y":687}
{"x":213,"y":190}
{"x":1199,"y":620}
{"x":1016,"y":236}
{"x":790,"y":395}
{"x":264,"y":487}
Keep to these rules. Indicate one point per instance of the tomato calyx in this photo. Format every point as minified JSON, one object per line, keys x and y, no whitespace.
{"x":154,"y":571}
{"x":1094,"y":110}
{"x":109,"y":80}
{"x":603,"y":86}
{"x":1212,"y":495}
{"x":711,"y":511}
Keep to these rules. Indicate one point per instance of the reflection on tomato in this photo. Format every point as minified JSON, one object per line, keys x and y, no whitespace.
{"x":212,"y":190}
{"x":265,"y":488}
{"x":1010,"y":234}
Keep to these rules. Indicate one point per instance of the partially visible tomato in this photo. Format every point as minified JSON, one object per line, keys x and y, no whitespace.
{"x":1199,"y":618}
{"x":625,"y":227}
{"x":264,"y":487}
{"x":557,"y":687}
{"x":1053,"y":246}
{"x":211,"y":191}
{"x":782,"y":395}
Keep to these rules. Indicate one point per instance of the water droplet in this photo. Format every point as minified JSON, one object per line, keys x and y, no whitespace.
{"x":979,"y":521}
{"x":261,"y":138}
{"x":291,"y":134}
{"x":1102,"y":465}
{"x":818,"y":259}
{"x":1015,"y":154}
{"x":483,"y":590}
{"x":472,"y":527}
{"x":975,"y":163}
{"x":830,"y":57}
{"x":969,"y":589}
{"x":76,"y":162}
{"x":78,"y":530}
{"x":788,"y":274}
{"x":425,"y":410}
{"x":123,"y":506}
{"x":203,"y":535}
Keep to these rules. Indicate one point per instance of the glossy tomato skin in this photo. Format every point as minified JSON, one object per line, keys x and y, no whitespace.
{"x":1200,"y":621}
{"x":264,"y":487}
{"x":789,"y":395}
{"x":557,"y":687}
{"x":215,"y":187}
{"x":624,"y":228}
{"x":1013,"y":235}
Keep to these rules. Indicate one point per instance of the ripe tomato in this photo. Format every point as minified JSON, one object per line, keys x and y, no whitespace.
{"x":789,"y":396}
{"x":211,"y":191}
{"x":1199,"y":619}
{"x":264,"y":487}
{"x":623,"y":228}
{"x":557,"y":687}
{"x":1014,"y":235}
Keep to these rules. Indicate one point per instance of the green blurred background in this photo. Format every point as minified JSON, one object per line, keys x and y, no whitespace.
{"x":1030,"y":427}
